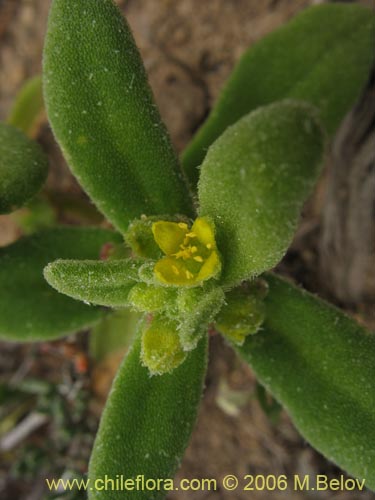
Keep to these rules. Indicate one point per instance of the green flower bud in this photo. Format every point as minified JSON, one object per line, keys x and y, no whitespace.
{"x":242,"y":315}
{"x":197,"y":308}
{"x":141,"y":240}
{"x":161,"y":349}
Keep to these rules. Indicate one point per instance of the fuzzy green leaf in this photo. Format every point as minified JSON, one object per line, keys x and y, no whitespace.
{"x":323,"y":56}
{"x":103,"y":115}
{"x":147,"y":422}
{"x":23,"y":168}
{"x":28,"y":106}
{"x":29,"y":308}
{"x":254,"y":181}
{"x":320,"y":365}
{"x":106,"y":283}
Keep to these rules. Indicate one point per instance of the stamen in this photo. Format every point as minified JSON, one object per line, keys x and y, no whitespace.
{"x":189,"y":275}
{"x":182,"y":225}
{"x":194,"y":249}
{"x":198,"y":258}
{"x":209,"y":246}
{"x":191,"y":235}
{"x":175,"y":270}
{"x":182,"y":254}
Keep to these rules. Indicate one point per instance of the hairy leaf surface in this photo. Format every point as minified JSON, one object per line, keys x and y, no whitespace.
{"x":105,"y":283}
{"x":103,"y":115}
{"x":29,"y":308}
{"x":23,"y":168}
{"x":254,"y":181}
{"x":319,"y":364}
{"x":147,"y":422}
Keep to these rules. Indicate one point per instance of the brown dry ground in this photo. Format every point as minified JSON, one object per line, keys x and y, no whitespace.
{"x":189,"y":48}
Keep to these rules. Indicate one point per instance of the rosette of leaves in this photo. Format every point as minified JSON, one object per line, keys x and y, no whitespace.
{"x":199,"y":261}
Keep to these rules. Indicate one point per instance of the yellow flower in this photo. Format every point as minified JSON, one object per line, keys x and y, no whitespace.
{"x":191,"y":253}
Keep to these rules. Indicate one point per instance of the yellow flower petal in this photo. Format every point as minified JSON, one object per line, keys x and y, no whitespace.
{"x":173,"y":272}
{"x":210,"y":268}
{"x":169,"y":235}
{"x":204,"y":231}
